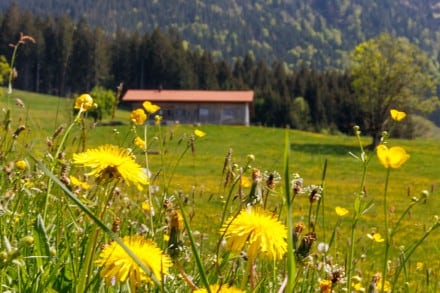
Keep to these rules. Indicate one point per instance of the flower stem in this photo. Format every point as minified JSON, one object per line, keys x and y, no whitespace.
{"x":357,"y":213}
{"x":387,"y":233}
{"x":291,"y":265}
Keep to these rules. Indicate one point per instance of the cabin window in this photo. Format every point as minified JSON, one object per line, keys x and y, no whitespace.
{"x":203,"y":112}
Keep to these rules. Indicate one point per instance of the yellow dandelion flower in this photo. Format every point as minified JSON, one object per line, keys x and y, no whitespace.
{"x":341,"y":211}
{"x":397,"y":115}
{"x":375,"y":237}
{"x":392,"y":157}
{"x":150,"y":108}
{"x":109,"y":161}
{"x":325,"y":286}
{"x":257,"y":229}
{"x":21,"y":164}
{"x":138,"y":116}
{"x":117,"y":265}
{"x":219,"y":289}
{"x":199,"y":133}
{"x":84,"y":101}
{"x":140,"y":143}
{"x":419,"y":266}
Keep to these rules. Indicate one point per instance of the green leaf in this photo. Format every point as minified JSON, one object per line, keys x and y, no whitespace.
{"x":42,"y":247}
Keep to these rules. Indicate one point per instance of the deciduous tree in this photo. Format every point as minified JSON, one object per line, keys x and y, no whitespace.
{"x":390,"y":72}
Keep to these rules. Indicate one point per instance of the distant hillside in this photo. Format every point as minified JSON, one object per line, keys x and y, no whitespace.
{"x":314,"y":32}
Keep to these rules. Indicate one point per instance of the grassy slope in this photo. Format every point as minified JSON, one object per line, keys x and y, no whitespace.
{"x":201,"y":174}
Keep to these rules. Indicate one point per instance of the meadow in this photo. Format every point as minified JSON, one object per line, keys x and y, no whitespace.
{"x":328,"y":190}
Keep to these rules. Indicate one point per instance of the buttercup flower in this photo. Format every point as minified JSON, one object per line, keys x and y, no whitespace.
{"x":341,"y":211}
{"x":76,"y":182}
{"x":140,"y":143}
{"x":397,"y":115}
{"x":157,"y":119}
{"x":21,"y":164}
{"x":138,"y":116}
{"x":392,"y":157}
{"x":199,"y":133}
{"x":257,"y":229}
{"x":375,"y":237}
{"x":117,"y":265}
{"x":150,"y":108}
{"x":358,"y":287}
{"x":245,"y":182}
{"x":84,"y":101}
{"x":386,"y":287}
{"x":219,"y":289}
{"x":109,"y":161}
{"x":146,"y":206}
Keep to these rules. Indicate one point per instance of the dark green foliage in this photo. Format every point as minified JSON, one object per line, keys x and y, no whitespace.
{"x":105,"y":99}
{"x":318,"y":33}
{"x":71,"y":57}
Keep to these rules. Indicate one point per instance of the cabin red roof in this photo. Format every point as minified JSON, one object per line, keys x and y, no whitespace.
{"x":188,"y":96}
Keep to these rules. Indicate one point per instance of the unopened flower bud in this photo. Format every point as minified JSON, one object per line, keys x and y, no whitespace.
{"x":27,"y":240}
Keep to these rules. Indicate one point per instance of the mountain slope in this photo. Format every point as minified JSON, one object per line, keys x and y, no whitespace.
{"x":314,"y":32}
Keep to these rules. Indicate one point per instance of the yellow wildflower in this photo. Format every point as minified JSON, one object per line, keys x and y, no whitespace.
{"x":76,"y":182}
{"x":419,"y":266}
{"x":199,"y":133}
{"x":84,"y":101}
{"x":109,"y":161}
{"x":146,"y":206}
{"x":117,"y":265}
{"x":219,"y":289}
{"x":157,"y":119}
{"x":140,"y":143}
{"x":358,"y":287}
{"x":257,"y":229}
{"x":341,"y":211}
{"x":21,"y":164}
{"x":325,"y":286}
{"x":150,"y":108}
{"x":386,"y":287}
{"x":245,"y":182}
{"x":397,"y":115}
{"x":138,"y":116}
{"x":392,"y":157}
{"x":375,"y":237}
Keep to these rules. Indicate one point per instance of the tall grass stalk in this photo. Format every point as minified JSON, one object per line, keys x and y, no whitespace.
{"x":194,"y":249}
{"x":291,"y":265}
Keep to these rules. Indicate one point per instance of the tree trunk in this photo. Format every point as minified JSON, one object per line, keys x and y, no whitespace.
{"x":376,"y":136}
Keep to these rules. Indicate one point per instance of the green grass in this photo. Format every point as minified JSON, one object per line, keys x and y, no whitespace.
{"x":202,"y":170}
{"x":198,"y":174}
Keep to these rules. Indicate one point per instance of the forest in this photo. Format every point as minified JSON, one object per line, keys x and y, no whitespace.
{"x":318,"y":33}
{"x":72,"y":57}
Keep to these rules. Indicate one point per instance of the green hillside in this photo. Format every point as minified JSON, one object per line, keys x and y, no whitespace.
{"x":43,"y":114}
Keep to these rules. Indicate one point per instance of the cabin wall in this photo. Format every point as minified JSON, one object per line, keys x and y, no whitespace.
{"x":205,"y":113}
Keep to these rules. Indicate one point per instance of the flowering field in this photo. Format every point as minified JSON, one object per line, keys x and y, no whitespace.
{"x":144,"y":207}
